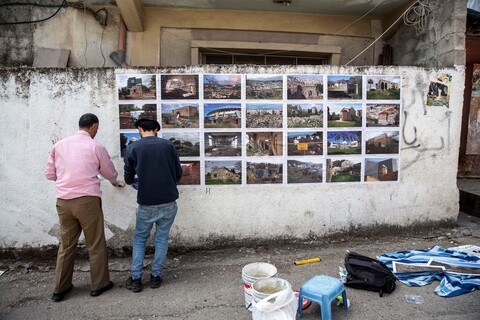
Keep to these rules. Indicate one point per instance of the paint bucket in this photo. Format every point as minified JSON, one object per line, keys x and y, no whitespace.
{"x":265,"y":287}
{"x":253,"y":272}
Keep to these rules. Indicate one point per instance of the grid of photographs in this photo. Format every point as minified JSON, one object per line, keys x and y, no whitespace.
{"x":270,"y":129}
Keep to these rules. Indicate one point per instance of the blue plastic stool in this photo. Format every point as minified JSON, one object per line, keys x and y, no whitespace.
{"x":322,"y":290}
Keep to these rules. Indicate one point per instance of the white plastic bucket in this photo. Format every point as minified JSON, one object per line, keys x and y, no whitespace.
{"x":253,"y":272}
{"x":265,"y":287}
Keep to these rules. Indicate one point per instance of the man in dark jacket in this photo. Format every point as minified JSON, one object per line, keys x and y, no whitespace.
{"x":156,"y":164}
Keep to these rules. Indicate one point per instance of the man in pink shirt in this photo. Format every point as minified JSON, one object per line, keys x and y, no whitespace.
{"x":74,"y":164}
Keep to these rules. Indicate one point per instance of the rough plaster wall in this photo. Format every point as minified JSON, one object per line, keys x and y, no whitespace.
{"x":441,"y":44}
{"x":45,"y":105}
{"x":82,"y":35}
{"x":16,"y":40}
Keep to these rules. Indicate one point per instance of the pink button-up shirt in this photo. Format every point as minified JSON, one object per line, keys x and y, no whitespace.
{"x":74,"y":164}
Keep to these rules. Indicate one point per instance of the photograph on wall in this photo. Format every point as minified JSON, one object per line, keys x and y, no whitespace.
{"x":264,"y":173}
{"x":223,"y":172}
{"x":186,"y":143}
{"x":381,"y":169}
{"x":137,"y":87}
{"x":344,"y":115}
{"x":305,"y":143}
{"x":304,"y":171}
{"x":264,"y":115}
{"x":190,"y":173}
{"x":223,"y":144}
{"x":180,"y":115}
{"x":382,"y":142}
{"x":383,"y":115}
{"x":476,"y":80}
{"x":343,"y":170}
{"x":184,"y":86}
{"x":264,"y":143}
{"x":305,"y":115}
{"x":130,"y":113}
{"x":222,"y":115}
{"x":268,"y":87}
{"x":344,"y":142}
{"x":305,"y":87}
{"x":383,"y":87}
{"x":127,"y":138}
{"x":222,"y":86}
{"x":439,"y":90}
{"x":344,"y":87}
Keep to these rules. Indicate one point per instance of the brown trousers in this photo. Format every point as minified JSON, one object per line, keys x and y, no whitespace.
{"x":84,"y":213}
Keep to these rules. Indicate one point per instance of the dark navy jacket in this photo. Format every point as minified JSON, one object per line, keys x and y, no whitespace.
{"x":155,"y":162}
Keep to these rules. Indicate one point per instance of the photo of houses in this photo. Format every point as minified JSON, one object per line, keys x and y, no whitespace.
{"x":305,"y":87}
{"x":264,"y":143}
{"x":264,"y":173}
{"x":264,"y":115}
{"x":190,"y":173}
{"x":344,"y":115}
{"x":222,"y":86}
{"x":343,"y":170}
{"x":304,"y":171}
{"x":267,"y":87}
{"x":223,"y":172}
{"x":305,"y":143}
{"x":137,"y":87}
{"x":179,"y":86}
{"x":344,"y":142}
{"x":223,"y":144}
{"x":381,"y":169}
{"x":439,"y":91}
{"x":127,"y":138}
{"x":180,"y":115}
{"x":186,"y":143}
{"x":344,"y":87}
{"x":222,"y":115}
{"x":237,"y":129}
{"x":130,"y":113}
{"x":305,"y":115}
{"x":382,"y":142}
{"x":383,"y":88}
{"x":383,"y":115}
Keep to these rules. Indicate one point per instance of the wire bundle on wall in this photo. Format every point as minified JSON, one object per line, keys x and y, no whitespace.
{"x":417,"y":15}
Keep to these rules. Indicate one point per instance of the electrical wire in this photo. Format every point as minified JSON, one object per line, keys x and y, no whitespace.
{"x":62,"y":5}
{"x":391,"y":26}
{"x":417,"y":15}
{"x":85,"y":33}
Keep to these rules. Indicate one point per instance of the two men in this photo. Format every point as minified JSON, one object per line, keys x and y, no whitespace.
{"x":156,"y":164}
{"x":74,"y":164}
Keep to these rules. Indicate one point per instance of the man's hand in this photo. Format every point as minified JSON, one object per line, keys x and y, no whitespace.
{"x":119,"y":184}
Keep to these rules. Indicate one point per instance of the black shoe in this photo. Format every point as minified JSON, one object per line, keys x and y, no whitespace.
{"x":155,"y":282}
{"x":96,"y":293}
{"x":58,"y":296}
{"x":134,"y":285}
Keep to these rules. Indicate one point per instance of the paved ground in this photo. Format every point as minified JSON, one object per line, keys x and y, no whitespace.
{"x":208,"y":284}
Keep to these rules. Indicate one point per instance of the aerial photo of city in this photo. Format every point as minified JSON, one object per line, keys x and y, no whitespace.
{"x":263,"y":115}
{"x":264,"y":87}
{"x":222,"y":86}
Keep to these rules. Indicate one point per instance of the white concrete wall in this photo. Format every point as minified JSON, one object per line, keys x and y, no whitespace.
{"x":41,"y":106}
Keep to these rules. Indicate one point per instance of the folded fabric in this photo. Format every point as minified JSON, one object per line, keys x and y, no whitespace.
{"x":458,"y":272}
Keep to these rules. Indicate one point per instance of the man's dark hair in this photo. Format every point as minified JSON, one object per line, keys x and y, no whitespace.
{"x":87,"y":120}
{"x":147,"y":124}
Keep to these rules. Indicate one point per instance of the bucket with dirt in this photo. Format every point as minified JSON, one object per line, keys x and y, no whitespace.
{"x":253,"y":272}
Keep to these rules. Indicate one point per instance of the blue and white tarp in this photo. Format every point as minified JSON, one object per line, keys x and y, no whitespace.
{"x":458,"y":272}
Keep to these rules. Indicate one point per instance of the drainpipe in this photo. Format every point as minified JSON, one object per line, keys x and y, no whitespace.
{"x":119,"y":56}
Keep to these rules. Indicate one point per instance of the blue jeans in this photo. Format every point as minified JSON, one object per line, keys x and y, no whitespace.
{"x":162,"y":216}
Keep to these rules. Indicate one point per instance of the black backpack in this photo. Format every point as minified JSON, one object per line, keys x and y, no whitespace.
{"x":368,"y":274}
